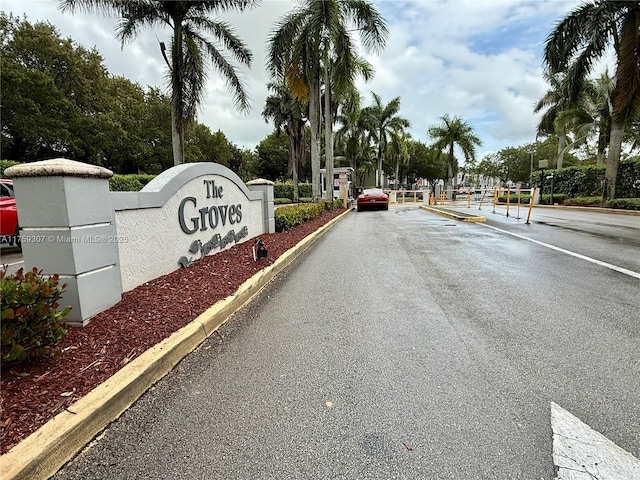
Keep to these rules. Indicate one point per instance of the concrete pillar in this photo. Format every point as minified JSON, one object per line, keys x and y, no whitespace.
{"x":265,"y":186}
{"x":68,"y":227}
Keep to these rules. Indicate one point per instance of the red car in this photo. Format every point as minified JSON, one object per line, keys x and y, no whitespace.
{"x":8,"y":214}
{"x":373,"y":198}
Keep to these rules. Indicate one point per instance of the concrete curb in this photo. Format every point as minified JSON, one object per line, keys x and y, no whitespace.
{"x":46,"y":450}
{"x":463,"y":217}
{"x":617,"y":211}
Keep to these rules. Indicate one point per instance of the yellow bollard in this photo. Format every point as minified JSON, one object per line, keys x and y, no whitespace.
{"x":469,"y":200}
{"x":519,"y":194}
{"x":344,"y":198}
{"x":531,"y":200}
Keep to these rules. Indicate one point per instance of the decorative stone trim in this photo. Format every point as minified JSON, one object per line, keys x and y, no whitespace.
{"x":57,"y":167}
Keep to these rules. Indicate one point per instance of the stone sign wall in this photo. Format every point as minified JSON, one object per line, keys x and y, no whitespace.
{"x":102,"y":243}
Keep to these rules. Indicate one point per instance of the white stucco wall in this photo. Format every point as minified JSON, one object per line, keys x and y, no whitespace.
{"x":151,"y":240}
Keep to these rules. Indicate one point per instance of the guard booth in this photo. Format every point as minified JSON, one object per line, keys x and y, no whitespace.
{"x":341,"y":181}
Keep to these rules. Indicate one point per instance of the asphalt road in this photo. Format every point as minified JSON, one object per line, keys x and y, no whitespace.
{"x":404,"y":345}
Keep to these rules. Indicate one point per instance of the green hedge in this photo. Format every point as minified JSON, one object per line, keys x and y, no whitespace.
{"x":584,"y":201}
{"x":124,"y":183}
{"x":281,"y":201}
{"x":587,"y":181}
{"x":292,"y":215}
{"x":624,"y":203}
{"x":285,"y":190}
{"x":4,"y":164}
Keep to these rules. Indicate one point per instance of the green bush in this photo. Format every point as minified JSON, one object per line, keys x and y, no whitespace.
{"x":513,"y":199}
{"x":584,"y":201}
{"x":292,"y":215}
{"x":587,"y":181}
{"x":142,"y":178}
{"x":304,"y":190}
{"x":624,"y":203}
{"x":124,"y":183}
{"x":31,"y":326}
{"x":558,"y":198}
{"x":285,"y":190}
{"x":306,"y":199}
{"x":281,"y":201}
{"x":4,"y":164}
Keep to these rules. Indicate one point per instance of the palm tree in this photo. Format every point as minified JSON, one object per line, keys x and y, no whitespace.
{"x":555,"y":102}
{"x":352,"y":139}
{"x":190,"y":50}
{"x":381,"y":120}
{"x":591,"y":114}
{"x":583,"y":37}
{"x":451,"y":132}
{"x":314,"y":42}
{"x":398,"y":150}
{"x":288,"y":113}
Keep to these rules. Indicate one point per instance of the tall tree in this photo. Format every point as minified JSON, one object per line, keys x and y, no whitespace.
{"x":352,"y":139}
{"x":190,"y":50}
{"x":314,"y":43}
{"x":288,"y":113}
{"x":382,"y":120}
{"x":583,"y":37}
{"x":452,"y":132}
{"x":398,"y":150}
{"x":554,"y":102}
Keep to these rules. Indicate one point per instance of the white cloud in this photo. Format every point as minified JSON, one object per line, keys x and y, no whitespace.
{"x":480,"y":60}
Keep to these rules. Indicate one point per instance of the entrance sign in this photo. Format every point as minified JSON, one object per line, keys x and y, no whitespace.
{"x":185,"y":213}
{"x":103,"y":243}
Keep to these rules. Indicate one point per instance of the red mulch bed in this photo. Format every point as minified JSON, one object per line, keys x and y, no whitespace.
{"x":33,"y":393}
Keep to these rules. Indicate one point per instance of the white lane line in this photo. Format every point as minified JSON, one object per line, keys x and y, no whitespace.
{"x":580,"y":452}
{"x":631,"y":273}
{"x":12,"y":264}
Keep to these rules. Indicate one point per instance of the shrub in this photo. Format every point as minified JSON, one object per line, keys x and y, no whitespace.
{"x":281,"y":201}
{"x":558,"y":198}
{"x":624,"y":203}
{"x":285,"y":190}
{"x":292,"y":215}
{"x":4,"y":164}
{"x":513,"y":199}
{"x":584,"y":201}
{"x":31,"y":326}
{"x":306,"y":199}
{"x":124,"y":183}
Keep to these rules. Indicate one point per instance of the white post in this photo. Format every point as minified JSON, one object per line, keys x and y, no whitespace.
{"x":67,"y":225}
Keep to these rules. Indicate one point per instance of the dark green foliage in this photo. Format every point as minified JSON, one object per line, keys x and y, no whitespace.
{"x":31,"y":326}
{"x":557,"y":199}
{"x":281,"y":201}
{"x":285,"y":190}
{"x":4,"y":164}
{"x":628,"y":181}
{"x":125,"y":183}
{"x":584,"y":201}
{"x":624,"y":203}
{"x":587,"y":181}
{"x":292,"y":215}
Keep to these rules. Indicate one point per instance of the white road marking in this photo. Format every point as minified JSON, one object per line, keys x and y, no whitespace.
{"x":12,"y":264}
{"x":631,"y":273}
{"x":581,"y":453}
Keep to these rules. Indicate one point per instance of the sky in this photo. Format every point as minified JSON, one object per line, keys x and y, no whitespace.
{"x":480,"y":60}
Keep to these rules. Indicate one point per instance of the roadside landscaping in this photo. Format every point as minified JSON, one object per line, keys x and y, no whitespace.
{"x":34,"y":392}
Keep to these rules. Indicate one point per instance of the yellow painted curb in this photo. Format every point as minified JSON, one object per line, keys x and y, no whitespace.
{"x":42,"y":453}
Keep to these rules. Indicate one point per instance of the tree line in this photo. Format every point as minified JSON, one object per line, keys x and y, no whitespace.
{"x":59,"y":99}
